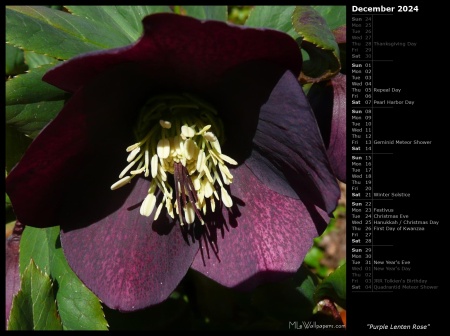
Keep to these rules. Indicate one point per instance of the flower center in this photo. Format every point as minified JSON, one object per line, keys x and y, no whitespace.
{"x":179,"y":135}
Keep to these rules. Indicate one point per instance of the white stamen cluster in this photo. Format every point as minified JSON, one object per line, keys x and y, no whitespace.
{"x":185,"y":145}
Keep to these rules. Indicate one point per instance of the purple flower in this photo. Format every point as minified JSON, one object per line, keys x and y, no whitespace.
{"x":194,"y":147}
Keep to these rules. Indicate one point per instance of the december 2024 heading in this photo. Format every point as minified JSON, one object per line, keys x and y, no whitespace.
{"x":385,"y":9}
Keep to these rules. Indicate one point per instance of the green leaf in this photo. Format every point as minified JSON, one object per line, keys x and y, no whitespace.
{"x":218,"y":13}
{"x":291,"y":299}
{"x":34,"y":60}
{"x":313,"y":257}
{"x":319,"y":42}
{"x":123,"y":20}
{"x":16,"y":143}
{"x":334,"y":287}
{"x":309,"y":24}
{"x":306,"y":87}
{"x":335,"y":16}
{"x":56,"y":33}
{"x":238,"y":14}
{"x":34,"y":306}
{"x":14,"y":61}
{"x":31,"y":103}
{"x":275,"y":17}
{"x":306,"y":283}
{"x":29,"y":88}
{"x":7,"y":200}
{"x":34,"y":245}
{"x":78,"y":307}
{"x":30,"y":119}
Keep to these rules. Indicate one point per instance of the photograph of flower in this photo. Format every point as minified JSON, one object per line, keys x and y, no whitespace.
{"x":175,"y":167}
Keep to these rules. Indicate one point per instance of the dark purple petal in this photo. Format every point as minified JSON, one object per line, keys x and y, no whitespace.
{"x":266,"y":238}
{"x":289,"y":140}
{"x":183,"y":50}
{"x":270,"y":125}
{"x":337,"y":149}
{"x":282,"y":181}
{"x":328,"y":101}
{"x":96,"y":119}
{"x":124,"y":258}
{"x":12,"y":281}
{"x":127,"y":260}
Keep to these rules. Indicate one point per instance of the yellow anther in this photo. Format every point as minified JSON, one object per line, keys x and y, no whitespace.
{"x":190,"y":149}
{"x":226,"y":158}
{"x":121,"y":183}
{"x":204,"y":129}
{"x":200,"y":160}
{"x":148,"y":205}
{"x":133,"y":147}
{"x":137,"y":171}
{"x":154,"y":165}
{"x":207,"y":173}
{"x":133,"y":154}
{"x":189,"y":213}
{"x":163,"y":148}
{"x":165,"y":124}
{"x":226,"y":175}
{"x":187,"y":131}
{"x":158,"y":211}
{"x":162,"y":173}
{"x":147,"y":162}
{"x":208,"y":188}
{"x":197,"y":183}
{"x":226,"y":199}
{"x":210,"y":136}
{"x":216,"y":146}
{"x":128,"y":167}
